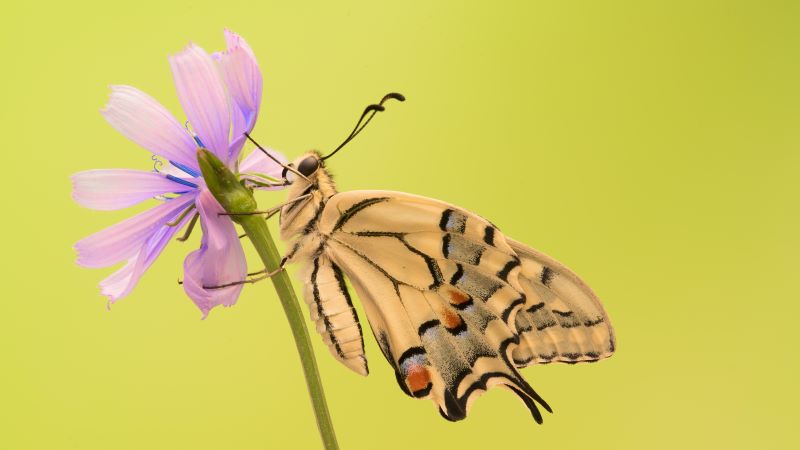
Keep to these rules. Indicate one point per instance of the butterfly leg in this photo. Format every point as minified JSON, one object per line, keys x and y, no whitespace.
{"x":264,"y":276}
{"x":180,"y":218}
{"x":189,"y":228}
{"x":270,"y":212}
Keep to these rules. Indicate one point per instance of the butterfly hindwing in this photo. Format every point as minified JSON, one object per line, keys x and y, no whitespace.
{"x":563,"y":319}
{"x":439,"y":298}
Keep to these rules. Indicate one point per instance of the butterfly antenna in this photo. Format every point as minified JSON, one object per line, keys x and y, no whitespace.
{"x":366,"y":117}
{"x":269,"y":155}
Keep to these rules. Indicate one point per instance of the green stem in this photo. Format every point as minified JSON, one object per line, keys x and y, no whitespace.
{"x":239,"y":201}
{"x":257,"y":231}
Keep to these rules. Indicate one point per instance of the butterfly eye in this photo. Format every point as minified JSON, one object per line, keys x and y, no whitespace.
{"x":308,"y":166}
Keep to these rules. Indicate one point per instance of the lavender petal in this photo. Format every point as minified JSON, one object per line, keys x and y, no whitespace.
{"x":146,"y":122}
{"x":111,"y":189}
{"x":219,"y":260}
{"x":202,"y":94}
{"x":124,"y":239}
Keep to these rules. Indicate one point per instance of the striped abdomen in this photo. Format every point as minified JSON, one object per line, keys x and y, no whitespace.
{"x":332,"y":309}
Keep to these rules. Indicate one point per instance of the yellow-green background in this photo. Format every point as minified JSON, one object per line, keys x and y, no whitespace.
{"x":651,"y":146}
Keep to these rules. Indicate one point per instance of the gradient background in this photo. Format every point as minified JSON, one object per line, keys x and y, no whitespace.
{"x":651,"y":146}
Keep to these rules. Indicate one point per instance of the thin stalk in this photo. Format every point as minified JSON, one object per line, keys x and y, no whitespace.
{"x":239,"y":201}
{"x":256,"y":229}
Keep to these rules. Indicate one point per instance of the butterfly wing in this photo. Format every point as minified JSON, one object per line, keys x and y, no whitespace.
{"x":562,"y":320}
{"x":441,"y":290}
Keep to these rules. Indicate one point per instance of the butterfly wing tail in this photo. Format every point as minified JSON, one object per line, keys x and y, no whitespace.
{"x":439,"y":352}
{"x":483,"y":350}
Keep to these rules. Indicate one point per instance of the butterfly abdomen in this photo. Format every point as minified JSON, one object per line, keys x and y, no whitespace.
{"x":331,"y":307}
{"x":326,"y":294}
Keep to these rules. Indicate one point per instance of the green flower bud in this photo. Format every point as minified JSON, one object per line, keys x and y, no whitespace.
{"x":224,"y":185}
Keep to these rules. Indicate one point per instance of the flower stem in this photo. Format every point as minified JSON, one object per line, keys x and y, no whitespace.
{"x":239,"y":201}
{"x":257,"y":231}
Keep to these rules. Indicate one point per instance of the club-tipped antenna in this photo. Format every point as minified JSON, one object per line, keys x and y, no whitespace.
{"x":277,"y":161}
{"x":366,"y":117}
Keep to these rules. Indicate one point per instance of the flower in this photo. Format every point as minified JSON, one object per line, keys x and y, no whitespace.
{"x":220,"y":95}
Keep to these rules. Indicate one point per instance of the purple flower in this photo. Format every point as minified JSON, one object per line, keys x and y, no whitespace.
{"x":220,"y":95}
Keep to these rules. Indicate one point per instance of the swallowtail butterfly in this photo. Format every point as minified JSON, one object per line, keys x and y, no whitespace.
{"x":456,"y":306}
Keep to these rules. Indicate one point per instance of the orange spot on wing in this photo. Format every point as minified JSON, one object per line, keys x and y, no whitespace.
{"x":417,"y":378}
{"x":457,"y":296}
{"x":451,"y":319}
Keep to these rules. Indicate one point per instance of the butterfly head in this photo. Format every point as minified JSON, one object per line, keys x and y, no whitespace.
{"x":307,"y":167}
{"x":309,"y":163}
{"x":308,"y":173}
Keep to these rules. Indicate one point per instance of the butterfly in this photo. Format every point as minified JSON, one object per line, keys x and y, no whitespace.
{"x":456,"y":306}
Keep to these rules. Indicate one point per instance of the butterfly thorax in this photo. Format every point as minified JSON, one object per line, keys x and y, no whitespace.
{"x":305,"y":201}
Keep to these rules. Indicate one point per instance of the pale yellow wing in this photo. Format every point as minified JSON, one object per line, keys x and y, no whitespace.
{"x":562,"y":320}
{"x":441,"y":291}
